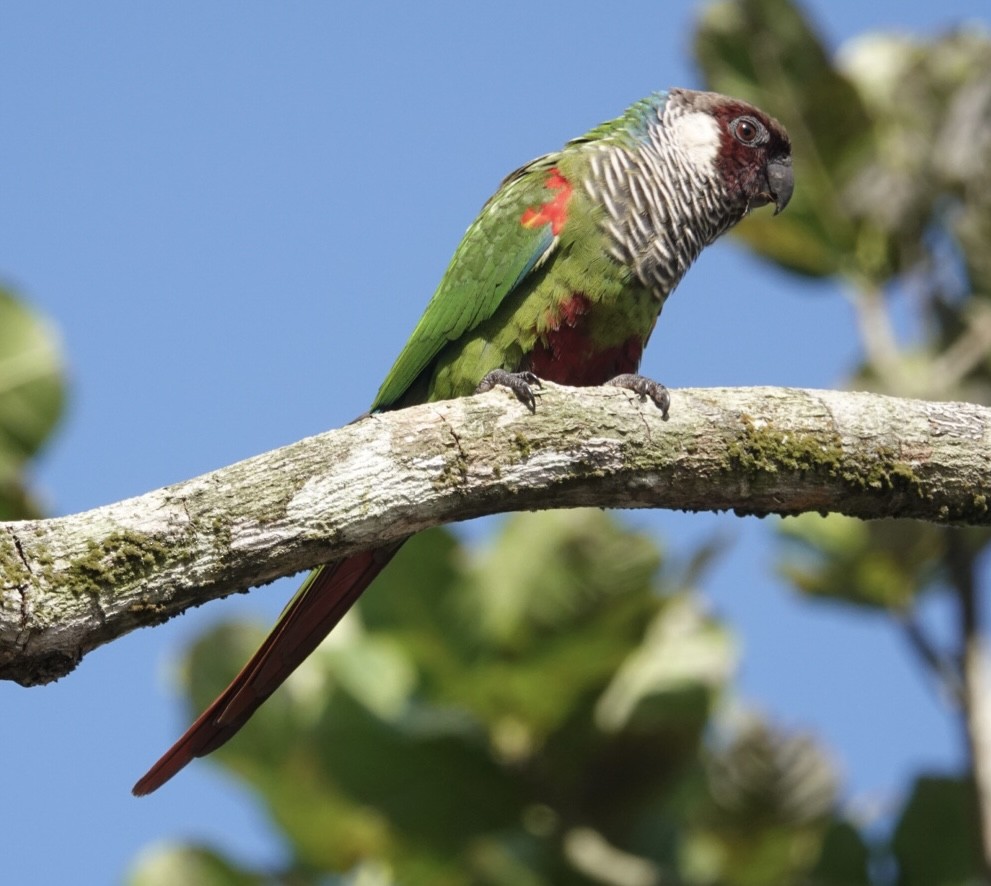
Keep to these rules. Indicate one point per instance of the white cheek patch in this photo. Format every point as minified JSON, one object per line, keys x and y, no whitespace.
{"x":697,"y":134}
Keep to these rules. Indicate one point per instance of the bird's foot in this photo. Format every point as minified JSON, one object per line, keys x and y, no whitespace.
{"x":645,"y":387}
{"x":520,"y":383}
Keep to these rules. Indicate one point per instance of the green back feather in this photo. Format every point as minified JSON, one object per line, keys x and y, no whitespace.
{"x":494,"y":257}
{"x":499,"y":261}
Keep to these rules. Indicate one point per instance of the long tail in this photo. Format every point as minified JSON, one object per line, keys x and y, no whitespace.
{"x":318,"y":605}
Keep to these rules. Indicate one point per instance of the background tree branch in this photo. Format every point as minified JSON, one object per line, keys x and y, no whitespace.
{"x":69,"y":584}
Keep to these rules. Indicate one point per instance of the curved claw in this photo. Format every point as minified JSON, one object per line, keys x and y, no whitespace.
{"x":645,"y":387}
{"x":518,"y":382}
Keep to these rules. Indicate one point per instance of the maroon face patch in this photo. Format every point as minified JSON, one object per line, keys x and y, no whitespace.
{"x":749,"y":141}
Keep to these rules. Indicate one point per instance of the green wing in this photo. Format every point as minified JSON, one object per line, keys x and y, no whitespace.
{"x":495,"y":256}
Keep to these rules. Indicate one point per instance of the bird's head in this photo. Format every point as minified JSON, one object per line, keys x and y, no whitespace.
{"x":750,"y":150}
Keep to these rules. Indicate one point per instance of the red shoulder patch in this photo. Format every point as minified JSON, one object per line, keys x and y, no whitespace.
{"x":555,"y":211}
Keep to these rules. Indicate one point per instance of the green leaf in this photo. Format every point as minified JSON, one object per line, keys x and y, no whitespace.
{"x":935,"y":841}
{"x":416,"y":600}
{"x":686,"y":658}
{"x":31,"y":398}
{"x":766,"y":52}
{"x":880,"y":564}
{"x":844,"y":859}
{"x":932,"y":115}
{"x":547,"y":573}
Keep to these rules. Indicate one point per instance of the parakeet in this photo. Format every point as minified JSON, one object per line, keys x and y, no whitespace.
{"x":561,"y":277}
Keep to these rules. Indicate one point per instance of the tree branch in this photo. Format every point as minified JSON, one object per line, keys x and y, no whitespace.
{"x":70,"y":584}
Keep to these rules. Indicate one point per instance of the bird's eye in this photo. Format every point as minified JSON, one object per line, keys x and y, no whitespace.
{"x":749,"y":131}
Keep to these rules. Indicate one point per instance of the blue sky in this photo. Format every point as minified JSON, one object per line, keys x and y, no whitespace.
{"x":234,"y":214}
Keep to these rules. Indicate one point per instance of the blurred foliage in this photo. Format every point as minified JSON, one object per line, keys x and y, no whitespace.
{"x":935,"y":840}
{"x":884,"y":564}
{"x":767,"y":53}
{"x":531,"y":713}
{"x":892,"y":143}
{"x":556,"y":708}
{"x":32,"y":393}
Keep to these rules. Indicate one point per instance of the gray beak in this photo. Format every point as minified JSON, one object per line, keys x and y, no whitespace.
{"x":781,"y":182}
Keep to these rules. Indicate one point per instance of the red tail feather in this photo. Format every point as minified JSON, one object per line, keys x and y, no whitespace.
{"x":306,"y":621}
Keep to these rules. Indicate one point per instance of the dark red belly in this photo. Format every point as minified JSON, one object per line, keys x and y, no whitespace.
{"x":568,"y":356}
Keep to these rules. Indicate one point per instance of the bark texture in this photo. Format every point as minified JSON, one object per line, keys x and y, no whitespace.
{"x":70,"y":584}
